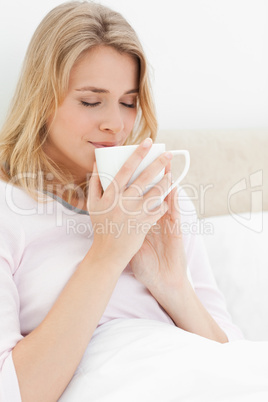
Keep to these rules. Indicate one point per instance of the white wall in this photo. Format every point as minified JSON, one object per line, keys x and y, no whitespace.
{"x":209,"y":57}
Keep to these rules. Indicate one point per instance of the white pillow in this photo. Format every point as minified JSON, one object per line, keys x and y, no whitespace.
{"x":238,"y":252}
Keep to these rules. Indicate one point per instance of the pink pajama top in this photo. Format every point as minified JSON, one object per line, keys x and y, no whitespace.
{"x":41,"y":245}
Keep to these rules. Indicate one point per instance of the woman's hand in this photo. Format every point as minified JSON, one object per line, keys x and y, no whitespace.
{"x":160,"y":264}
{"x":120,"y":215}
{"x":124,"y":232}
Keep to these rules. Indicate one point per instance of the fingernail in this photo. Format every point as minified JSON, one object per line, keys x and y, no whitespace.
{"x":168,"y":155}
{"x":147,"y":142}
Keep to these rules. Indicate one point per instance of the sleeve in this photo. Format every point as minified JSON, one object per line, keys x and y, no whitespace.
{"x":10,"y":335}
{"x":199,"y":270}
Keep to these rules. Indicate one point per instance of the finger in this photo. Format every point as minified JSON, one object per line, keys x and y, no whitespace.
{"x":94,"y":187}
{"x":156,"y":194}
{"x":168,"y":168}
{"x":157,"y":213}
{"x":126,"y":172}
{"x":150,"y":173}
{"x":172,"y":200}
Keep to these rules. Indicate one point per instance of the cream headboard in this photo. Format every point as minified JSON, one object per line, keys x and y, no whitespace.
{"x":229,"y":168}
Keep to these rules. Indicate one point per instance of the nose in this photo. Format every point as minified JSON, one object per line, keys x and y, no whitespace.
{"x":112,"y":120}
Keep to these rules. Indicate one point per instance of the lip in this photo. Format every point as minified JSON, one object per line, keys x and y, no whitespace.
{"x":103,"y":144}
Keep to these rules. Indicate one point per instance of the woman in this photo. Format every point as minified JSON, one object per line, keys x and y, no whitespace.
{"x":84,"y":85}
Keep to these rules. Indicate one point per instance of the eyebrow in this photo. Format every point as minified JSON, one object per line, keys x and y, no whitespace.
{"x":104,"y":91}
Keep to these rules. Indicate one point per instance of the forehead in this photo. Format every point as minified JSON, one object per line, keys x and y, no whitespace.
{"x":105,"y":67}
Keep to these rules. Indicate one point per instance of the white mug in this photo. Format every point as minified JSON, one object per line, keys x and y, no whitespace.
{"x":111,"y":159}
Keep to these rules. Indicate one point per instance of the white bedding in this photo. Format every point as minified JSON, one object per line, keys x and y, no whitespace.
{"x":149,"y":361}
{"x":239,"y":259}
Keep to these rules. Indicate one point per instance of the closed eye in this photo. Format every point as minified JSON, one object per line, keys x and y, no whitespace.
{"x":87,"y":104}
{"x":130,"y":105}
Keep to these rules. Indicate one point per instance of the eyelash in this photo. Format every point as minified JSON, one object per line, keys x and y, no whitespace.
{"x":86,"y":104}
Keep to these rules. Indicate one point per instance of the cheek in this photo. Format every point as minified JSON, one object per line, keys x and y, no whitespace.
{"x":130,"y":121}
{"x":59,"y":124}
{"x":71,"y":123}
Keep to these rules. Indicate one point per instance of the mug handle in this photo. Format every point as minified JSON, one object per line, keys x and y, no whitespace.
{"x":186,"y":155}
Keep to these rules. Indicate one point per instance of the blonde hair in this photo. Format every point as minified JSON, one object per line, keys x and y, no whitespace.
{"x":60,"y":40}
